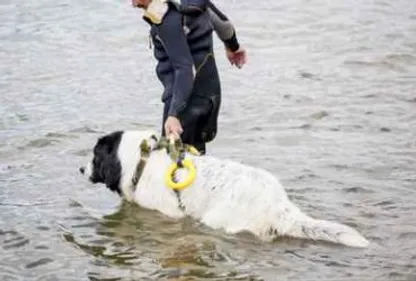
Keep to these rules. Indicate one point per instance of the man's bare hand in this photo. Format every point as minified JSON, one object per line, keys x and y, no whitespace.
{"x":237,"y":58}
{"x":173,"y":127}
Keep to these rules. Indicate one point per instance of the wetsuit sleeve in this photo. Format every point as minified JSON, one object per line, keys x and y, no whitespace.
{"x":223,"y":27}
{"x":176,"y":47}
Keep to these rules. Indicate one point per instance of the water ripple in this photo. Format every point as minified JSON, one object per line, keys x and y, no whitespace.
{"x":326,"y":102}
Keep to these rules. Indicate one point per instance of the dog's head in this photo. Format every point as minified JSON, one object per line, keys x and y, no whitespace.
{"x":115,"y":157}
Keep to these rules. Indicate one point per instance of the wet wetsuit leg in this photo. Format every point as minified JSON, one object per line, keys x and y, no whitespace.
{"x":193,"y":121}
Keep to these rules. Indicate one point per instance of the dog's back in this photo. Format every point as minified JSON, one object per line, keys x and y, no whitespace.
{"x":238,"y":197}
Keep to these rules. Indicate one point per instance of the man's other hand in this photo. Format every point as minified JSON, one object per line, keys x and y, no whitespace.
{"x":237,"y":58}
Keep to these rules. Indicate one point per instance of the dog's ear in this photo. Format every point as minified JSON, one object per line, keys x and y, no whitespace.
{"x":108,"y":165}
{"x":112,"y":173}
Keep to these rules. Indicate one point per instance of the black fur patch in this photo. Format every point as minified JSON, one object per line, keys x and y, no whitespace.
{"x":106,"y":166}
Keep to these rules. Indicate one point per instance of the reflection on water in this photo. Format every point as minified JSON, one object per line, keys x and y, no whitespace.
{"x":133,"y":237}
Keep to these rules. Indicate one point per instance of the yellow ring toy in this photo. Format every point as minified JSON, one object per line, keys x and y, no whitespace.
{"x":188,"y":181}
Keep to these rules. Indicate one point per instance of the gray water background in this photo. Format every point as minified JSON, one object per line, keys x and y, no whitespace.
{"x":326,"y":102}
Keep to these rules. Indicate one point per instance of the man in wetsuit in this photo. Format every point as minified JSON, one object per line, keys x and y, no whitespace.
{"x":181,"y":33}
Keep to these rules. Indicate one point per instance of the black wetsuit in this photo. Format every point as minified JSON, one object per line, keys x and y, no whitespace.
{"x":183,"y":47}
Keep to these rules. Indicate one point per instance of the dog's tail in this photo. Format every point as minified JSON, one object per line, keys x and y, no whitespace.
{"x":306,"y":227}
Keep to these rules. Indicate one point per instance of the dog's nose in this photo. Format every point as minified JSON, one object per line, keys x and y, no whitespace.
{"x":82,"y":170}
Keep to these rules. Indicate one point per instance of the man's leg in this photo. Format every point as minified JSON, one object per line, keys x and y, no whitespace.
{"x":192,"y":121}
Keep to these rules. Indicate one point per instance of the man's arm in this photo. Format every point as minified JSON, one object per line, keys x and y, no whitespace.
{"x":223,"y":27}
{"x":176,"y":47}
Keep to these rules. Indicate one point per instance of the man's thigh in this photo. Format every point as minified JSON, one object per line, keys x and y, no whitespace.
{"x":192,"y":119}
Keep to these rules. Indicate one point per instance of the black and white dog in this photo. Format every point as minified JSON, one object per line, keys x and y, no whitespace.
{"x":225,"y":194}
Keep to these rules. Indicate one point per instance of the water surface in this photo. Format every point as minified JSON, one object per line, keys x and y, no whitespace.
{"x":327,"y":103}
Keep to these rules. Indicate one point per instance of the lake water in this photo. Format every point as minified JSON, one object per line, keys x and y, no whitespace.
{"x":327,"y":103}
